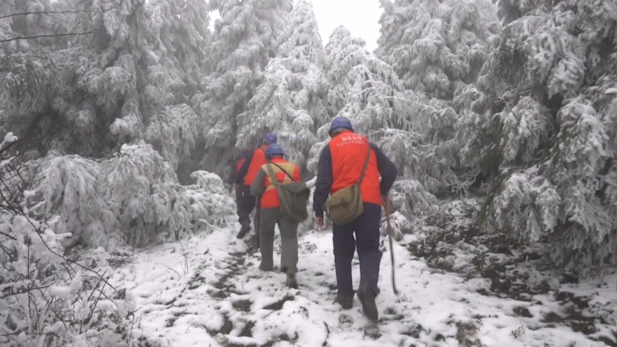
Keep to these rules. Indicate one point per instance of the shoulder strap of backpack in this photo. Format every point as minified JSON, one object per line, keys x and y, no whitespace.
{"x":273,"y":180}
{"x":287,"y":173}
{"x":368,"y":156}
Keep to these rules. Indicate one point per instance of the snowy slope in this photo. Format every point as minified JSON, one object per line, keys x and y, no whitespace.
{"x":224,"y":300}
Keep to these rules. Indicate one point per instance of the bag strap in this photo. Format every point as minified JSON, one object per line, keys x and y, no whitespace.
{"x":287,"y":173}
{"x":368,"y":156}
{"x":273,"y":180}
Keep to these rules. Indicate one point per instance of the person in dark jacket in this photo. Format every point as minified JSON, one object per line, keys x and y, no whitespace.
{"x":245,"y":177}
{"x":271,"y":214}
{"x":232,"y":182}
{"x":340,"y":166}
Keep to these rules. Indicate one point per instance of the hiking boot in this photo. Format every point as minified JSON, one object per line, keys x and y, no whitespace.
{"x":367,"y":299}
{"x":266,"y":268}
{"x":346,"y":302}
{"x":291,"y":280}
{"x":246,"y":227}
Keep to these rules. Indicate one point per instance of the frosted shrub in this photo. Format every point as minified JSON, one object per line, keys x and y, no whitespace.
{"x":67,"y":191}
{"x":209,"y":203}
{"x":47,"y":299}
{"x":143,"y":192}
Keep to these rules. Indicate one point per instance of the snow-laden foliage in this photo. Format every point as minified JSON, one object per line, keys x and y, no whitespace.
{"x":180,"y":30}
{"x":67,"y":191}
{"x":210,"y":203}
{"x":128,"y":75}
{"x":244,"y":39}
{"x":362,"y":87}
{"x":28,"y":84}
{"x":368,"y":91}
{"x":47,"y":299}
{"x":35,"y":25}
{"x":174,"y":132}
{"x":144,"y":195}
{"x":291,"y":100}
{"x":436,"y":47}
{"x":544,"y":130}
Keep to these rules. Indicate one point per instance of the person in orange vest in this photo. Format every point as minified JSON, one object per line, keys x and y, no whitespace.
{"x":232,"y":179}
{"x":245,"y":177}
{"x":284,"y":172}
{"x":341,"y":165}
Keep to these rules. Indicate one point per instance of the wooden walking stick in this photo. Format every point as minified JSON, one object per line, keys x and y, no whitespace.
{"x":390,"y":236}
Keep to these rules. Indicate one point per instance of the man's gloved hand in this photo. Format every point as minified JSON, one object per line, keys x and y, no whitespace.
{"x":385,"y":202}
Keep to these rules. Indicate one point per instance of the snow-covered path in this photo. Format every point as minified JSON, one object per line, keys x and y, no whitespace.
{"x":222,"y":299}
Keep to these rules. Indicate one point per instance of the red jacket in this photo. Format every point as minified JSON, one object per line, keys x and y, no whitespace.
{"x":270,"y":198}
{"x":349,"y":152}
{"x":257,"y":161}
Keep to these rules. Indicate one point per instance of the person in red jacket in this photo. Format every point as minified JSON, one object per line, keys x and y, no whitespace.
{"x":340,"y":166}
{"x":232,"y":179}
{"x":270,"y":214}
{"x":245,"y":177}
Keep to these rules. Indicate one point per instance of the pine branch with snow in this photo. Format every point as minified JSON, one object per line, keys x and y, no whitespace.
{"x":291,"y":99}
{"x":142,"y":190}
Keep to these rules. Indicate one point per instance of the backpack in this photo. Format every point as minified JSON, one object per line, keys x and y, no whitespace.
{"x":346,"y":204}
{"x":293,"y":196}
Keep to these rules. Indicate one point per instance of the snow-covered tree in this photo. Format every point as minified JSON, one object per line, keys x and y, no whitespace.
{"x":436,"y":47}
{"x":245,"y":38}
{"x":362,"y":87}
{"x":180,"y":33}
{"x":545,"y":129}
{"x":36,"y":21}
{"x":291,"y":100}
{"x":130,"y":78}
{"x":367,"y":90}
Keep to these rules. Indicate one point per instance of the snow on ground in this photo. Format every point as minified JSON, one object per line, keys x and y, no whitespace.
{"x":217,"y":296}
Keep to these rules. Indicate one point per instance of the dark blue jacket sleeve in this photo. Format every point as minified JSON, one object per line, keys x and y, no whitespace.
{"x":244,"y":169}
{"x":386,"y":168}
{"x":323,"y":184}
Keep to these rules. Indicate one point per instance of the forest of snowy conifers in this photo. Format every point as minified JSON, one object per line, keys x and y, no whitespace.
{"x":120,"y":119}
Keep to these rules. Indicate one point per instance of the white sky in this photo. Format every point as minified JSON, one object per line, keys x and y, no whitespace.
{"x":359,"y":16}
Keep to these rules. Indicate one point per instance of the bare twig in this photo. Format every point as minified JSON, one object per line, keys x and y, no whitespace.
{"x":170,"y":269}
{"x":49,"y":12}
{"x":44,"y":36}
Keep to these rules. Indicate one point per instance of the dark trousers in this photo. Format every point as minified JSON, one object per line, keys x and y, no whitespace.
{"x":239,"y":200}
{"x":361,"y":234}
{"x":246,"y":205}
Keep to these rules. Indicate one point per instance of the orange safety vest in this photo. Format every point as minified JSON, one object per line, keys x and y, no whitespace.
{"x":270,"y":198}
{"x":348,"y":151}
{"x":259,"y":158}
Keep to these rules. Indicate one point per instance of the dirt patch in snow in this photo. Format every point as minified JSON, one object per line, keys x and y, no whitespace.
{"x":278,"y":305}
